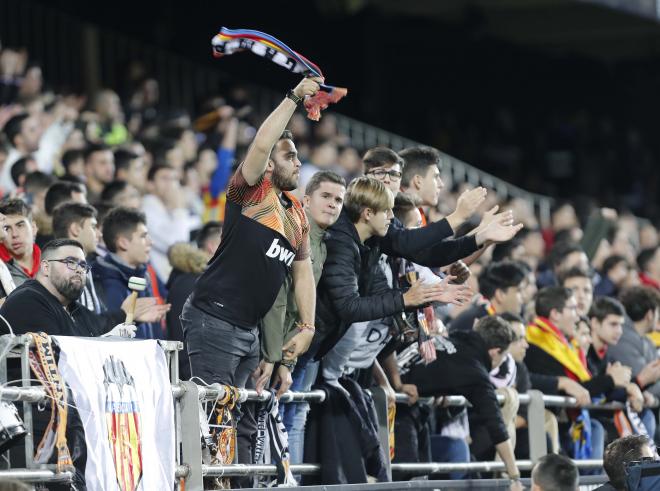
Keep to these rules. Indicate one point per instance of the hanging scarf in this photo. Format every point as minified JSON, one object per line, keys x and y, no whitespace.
{"x":547,"y":337}
{"x":580,"y":432}
{"x":391,"y":418}
{"x":44,"y":367}
{"x":230,"y":41}
{"x":628,"y":422}
{"x":221,"y":442}
{"x":424,"y":317}
{"x":273,"y":441}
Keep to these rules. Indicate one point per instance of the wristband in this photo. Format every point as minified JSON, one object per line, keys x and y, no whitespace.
{"x":294,"y":97}
{"x":290,"y":364}
{"x":305,"y":326}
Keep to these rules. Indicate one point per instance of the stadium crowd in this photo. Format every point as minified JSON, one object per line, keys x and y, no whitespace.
{"x":285,"y":257}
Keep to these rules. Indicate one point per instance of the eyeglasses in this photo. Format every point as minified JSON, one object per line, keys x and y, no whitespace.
{"x":73,"y":264}
{"x":380,"y":174}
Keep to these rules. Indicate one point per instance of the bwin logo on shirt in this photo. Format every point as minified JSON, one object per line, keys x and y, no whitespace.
{"x":280,"y":252}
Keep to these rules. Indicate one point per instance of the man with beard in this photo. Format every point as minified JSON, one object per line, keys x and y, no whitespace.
{"x":49,"y":302}
{"x":265,"y":236}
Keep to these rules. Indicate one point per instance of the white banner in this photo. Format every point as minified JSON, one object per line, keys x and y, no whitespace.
{"x":122,"y":392}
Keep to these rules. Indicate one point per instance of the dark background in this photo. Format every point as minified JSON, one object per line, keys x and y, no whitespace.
{"x":560,"y":97}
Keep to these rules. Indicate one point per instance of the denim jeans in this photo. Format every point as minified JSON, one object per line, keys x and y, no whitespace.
{"x":219,"y":351}
{"x":445,"y":449}
{"x":294,"y":414}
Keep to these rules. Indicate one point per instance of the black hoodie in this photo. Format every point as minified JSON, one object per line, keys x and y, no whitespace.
{"x":464,"y":372}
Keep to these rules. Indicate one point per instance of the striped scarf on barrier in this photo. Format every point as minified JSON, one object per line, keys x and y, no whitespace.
{"x":273,"y":441}
{"x":220,"y":442}
{"x":230,"y":41}
{"x":424,"y":317}
{"x":44,"y":366}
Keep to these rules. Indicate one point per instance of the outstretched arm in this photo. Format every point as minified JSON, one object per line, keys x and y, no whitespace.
{"x":271,"y":129}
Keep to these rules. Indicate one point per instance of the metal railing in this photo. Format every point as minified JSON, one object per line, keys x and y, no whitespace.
{"x":187,"y":396}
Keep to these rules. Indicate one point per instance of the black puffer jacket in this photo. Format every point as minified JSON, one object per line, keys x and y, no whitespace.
{"x":353,"y":288}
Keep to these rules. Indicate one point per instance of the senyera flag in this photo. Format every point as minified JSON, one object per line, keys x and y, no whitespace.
{"x":230,"y":41}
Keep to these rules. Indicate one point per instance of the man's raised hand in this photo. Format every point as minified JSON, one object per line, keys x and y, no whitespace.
{"x":466,"y":205}
{"x":308,"y":87}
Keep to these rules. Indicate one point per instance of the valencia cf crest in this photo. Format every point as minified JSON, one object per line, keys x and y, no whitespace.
{"x":122,"y":416}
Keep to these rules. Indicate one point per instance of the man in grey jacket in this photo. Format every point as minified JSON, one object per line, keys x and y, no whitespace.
{"x":635,"y":349}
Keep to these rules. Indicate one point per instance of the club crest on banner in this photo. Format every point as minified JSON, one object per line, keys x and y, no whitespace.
{"x":122,"y":415}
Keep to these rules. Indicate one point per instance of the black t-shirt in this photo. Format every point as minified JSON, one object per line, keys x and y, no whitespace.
{"x":262,"y":235}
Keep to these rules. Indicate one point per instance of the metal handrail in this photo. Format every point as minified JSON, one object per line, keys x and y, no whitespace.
{"x":36,"y":475}
{"x":36,"y":394}
{"x":548,"y":400}
{"x":489,"y":466}
{"x":237,"y":470}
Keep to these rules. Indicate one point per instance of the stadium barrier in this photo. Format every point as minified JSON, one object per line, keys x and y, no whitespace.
{"x":190,"y":471}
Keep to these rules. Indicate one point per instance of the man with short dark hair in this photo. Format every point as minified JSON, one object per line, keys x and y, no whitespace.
{"x":613,"y":276}
{"x":209,"y":236}
{"x":23,"y":133}
{"x":99,"y":170}
{"x":648,"y":262}
{"x":580,"y":283}
{"x":552,"y":353}
{"x":469,"y":356}
{"x":130,"y":167}
{"x":121,"y":193}
{"x":635,"y":349}
{"x":562,"y":257}
{"x":73,"y":161}
{"x":555,"y":472}
{"x":59,"y":192}
{"x":21,"y":168}
{"x":35,"y":188}
{"x":77,"y":221}
{"x":421,"y":175}
{"x":18,"y":249}
{"x":265,"y":237}
{"x":606,"y":318}
{"x":168,"y":218}
{"x":501,"y":285}
{"x":63,"y":192}
{"x":127,"y":238}
{"x":620,"y":453}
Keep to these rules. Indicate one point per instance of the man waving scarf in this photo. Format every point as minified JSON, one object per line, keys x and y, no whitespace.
{"x":230,"y":41}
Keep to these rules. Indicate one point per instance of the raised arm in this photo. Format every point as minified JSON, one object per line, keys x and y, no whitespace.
{"x":272,"y":128}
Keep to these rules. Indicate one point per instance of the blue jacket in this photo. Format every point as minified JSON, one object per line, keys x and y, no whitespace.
{"x":111,"y":280}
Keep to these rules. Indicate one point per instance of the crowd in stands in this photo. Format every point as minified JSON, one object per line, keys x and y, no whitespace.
{"x":284,"y":257}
